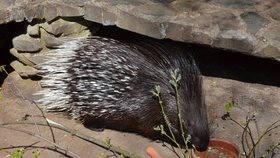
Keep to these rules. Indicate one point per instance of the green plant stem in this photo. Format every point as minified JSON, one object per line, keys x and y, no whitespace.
{"x":272,"y":150}
{"x":268,"y":129}
{"x":45,"y":118}
{"x":179,"y":113}
{"x":2,"y":68}
{"x":246,"y":130}
{"x":167,"y":121}
{"x":79,"y":135}
{"x":65,"y":151}
{"x":174,"y":141}
{"x":250,"y":149}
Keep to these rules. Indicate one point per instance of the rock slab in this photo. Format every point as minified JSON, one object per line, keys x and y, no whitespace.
{"x":25,"y":43}
{"x":249,"y":27}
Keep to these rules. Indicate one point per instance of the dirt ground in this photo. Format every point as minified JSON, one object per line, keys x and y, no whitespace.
{"x":249,"y":97}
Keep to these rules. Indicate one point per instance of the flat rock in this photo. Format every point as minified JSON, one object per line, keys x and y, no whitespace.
{"x":33,"y":30}
{"x":154,"y":10}
{"x":62,"y":27}
{"x":25,"y":43}
{"x":206,"y":22}
{"x":271,"y":51}
{"x":275,"y":13}
{"x":22,"y":70}
{"x":22,"y":57}
{"x":254,"y":21}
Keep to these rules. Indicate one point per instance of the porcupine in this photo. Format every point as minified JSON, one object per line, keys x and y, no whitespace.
{"x":106,"y":83}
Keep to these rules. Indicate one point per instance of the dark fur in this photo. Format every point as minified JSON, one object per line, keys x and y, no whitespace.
{"x":127,"y":104}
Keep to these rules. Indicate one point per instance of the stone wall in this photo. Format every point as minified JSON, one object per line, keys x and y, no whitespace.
{"x":251,"y":27}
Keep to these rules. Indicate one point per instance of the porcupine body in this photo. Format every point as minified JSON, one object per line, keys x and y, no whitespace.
{"x":107,"y":83}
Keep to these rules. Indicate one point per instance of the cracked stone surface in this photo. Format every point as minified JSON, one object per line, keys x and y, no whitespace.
{"x":250,"y":27}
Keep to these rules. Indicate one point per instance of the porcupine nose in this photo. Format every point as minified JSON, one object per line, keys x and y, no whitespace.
{"x":201,"y":144}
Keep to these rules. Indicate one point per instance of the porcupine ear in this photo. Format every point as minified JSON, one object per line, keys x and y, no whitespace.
{"x":53,"y":68}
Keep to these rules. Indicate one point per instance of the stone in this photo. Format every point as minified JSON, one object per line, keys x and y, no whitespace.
{"x":99,"y":15}
{"x":79,"y":3}
{"x":201,"y":38}
{"x":52,"y":42}
{"x":5,"y":16}
{"x":17,"y":14}
{"x":24,"y":71}
{"x":39,"y":12}
{"x":45,"y":35}
{"x":33,"y":30}
{"x":275,"y":13}
{"x":189,"y":6}
{"x":63,"y":27}
{"x":271,"y":51}
{"x":178,"y":32}
{"x":35,"y":11}
{"x":21,"y":57}
{"x":140,"y":25}
{"x":69,"y":11}
{"x":254,"y":21}
{"x":239,"y":43}
{"x":30,"y":12}
{"x":50,"y":12}
{"x":25,"y":43}
{"x":225,"y":20}
{"x":186,"y":34}
{"x":273,"y":32}
{"x":163,"y":1}
{"x":238,"y":4}
{"x":45,"y":26}
{"x":154,"y":10}
{"x":6,"y":3}
{"x":122,"y":2}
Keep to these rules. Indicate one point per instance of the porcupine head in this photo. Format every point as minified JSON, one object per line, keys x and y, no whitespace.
{"x":105,"y":83}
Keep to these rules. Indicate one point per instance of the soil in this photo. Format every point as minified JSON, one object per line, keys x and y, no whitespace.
{"x":15,"y":106}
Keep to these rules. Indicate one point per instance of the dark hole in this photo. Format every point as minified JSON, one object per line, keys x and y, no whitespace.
{"x":7,"y":33}
{"x":219,"y":63}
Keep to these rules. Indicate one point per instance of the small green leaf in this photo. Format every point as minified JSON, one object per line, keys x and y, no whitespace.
{"x":1,"y":95}
{"x":176,"y":71}
{"x":178,"y":78}
{"x":2,"y":68}
{"x":154,"y":93}
{"x":157,"y":128}
{"x":18,"y":153}
{"x":163,"y":132}
{"x":172,"y":73}
{"x":255,"y":113}
{"x":158,"y":89}
{"x":172,"y":83}
{"x":188,"y":138}
{"x":108,"y":141}
{"x":36,"y":153}
{"x":243,"y":122}
{"x":230,"y":105}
